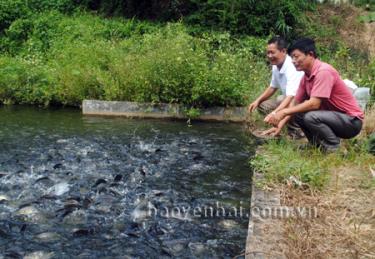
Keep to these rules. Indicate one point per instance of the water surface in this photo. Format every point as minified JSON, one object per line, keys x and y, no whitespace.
{"x":95,"y":187}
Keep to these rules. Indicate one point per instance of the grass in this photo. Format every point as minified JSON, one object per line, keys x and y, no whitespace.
{"x":345,"y":226}
{"x":340,"y":186}
{"x":283,"y":162}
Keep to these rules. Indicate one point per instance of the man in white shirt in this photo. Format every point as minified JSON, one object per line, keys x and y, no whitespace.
{"x":284,"y":77}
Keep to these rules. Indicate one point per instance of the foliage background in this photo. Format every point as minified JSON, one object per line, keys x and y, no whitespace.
{"x":196,"y":52}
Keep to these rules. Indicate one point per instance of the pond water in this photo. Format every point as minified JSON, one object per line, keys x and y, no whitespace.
{"x":74,"y":186}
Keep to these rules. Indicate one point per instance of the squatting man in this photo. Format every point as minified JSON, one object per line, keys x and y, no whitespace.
{"x":323,"y":107}
{"x":284,"y":77}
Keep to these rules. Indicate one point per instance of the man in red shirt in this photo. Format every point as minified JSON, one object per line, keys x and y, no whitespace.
{"x":324,"y":107}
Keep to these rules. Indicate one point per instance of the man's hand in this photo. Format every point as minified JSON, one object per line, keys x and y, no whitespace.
{"x":253,"y":106}
{"x":268,"y":118}
{"x":274,"y":131}
{"x":275,"y":117}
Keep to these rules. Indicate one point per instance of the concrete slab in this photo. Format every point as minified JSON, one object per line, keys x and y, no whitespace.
{"x":149,"y":110}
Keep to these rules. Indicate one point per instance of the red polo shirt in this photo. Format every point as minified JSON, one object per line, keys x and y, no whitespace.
{"x":325,"y":83}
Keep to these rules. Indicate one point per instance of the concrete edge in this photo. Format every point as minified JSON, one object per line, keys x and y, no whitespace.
{"x":160,"y":111}
{"x":264,"y":232}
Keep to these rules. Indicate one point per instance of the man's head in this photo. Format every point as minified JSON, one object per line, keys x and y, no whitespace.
{"x":303,"y":53}
{"x":276,"y":50}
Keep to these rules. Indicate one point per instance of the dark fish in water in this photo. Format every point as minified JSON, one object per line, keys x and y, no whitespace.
{"x":3,"y":234}
{"x":62,"y":213}
{"x":118,"y":178}
{"x":156,"y":230}
{"x":133,"y":230}
{"x":102,"y":190}
{"x":99,"y":181}
{"x":75,"y":198}
{"x":24,"y":205}
{"x":133,"y":234}
{"x":23,"y":228}
{"x":82,"y":232}
{"x":44,"y":178}
{"x":13,"y":255}
{"x":157,"y":193}
{"x":2,"y":175}
{"x":48,"y":197}
{"x":58,"y":166}
{"x":86,"y":202}
{"x":71,"y":204}
{"x":197,"y":156}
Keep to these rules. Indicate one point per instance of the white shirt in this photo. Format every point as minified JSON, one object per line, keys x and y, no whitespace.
{"x":287,"y":79}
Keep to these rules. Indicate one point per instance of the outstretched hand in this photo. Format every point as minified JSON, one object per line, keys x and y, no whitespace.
{"x":253,"y":106}
{"x":274,"y":131}
{"x":274,"y":118}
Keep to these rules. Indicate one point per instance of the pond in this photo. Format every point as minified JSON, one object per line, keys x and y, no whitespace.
{"x":109,"y":187}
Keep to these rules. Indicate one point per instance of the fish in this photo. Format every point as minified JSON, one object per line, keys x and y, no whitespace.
{"x":79,"y":232}
{"x":59,"y":189}
{"x":3,"y":198}
{"x":39,"y":255}
{"x":48,"y":237}
{"x":117,"y":178}
{"x":98,"y":182}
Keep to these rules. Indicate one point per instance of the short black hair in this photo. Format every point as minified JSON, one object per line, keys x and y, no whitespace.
{"x":305,"y":45}
{"x":279,"y":41}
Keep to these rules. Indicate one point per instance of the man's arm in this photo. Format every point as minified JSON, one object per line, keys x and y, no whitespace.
{"x":277,"y":129}
{"x":310,"y":105}
{"x":274,"y":131}
{"x":285,"y":103}
{"x":264,"y":96}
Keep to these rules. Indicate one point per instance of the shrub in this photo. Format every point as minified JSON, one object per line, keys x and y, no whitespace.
{"x":84,"y":56}
{"x":238,"y":16}
{"x":24,"y":82}
{"x":11,"y":10}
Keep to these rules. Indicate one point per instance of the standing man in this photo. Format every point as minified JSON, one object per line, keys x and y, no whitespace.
{"x":284,"y":77}
{"x":325,"y":108}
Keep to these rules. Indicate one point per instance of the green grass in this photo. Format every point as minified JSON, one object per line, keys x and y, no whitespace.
{"x":281,"y":162}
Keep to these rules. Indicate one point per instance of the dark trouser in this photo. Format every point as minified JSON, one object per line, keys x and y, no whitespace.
{"x":268,"y":106}
{"x":325,"y":128}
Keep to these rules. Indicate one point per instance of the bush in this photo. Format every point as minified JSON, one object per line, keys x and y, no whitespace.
{"x":87,"y":57}
{"x":11,"y":10}
{"x":238,"y":16}
{"x":24,"y":82}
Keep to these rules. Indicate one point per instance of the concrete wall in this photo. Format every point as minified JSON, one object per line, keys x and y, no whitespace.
{"x":149,"y":110}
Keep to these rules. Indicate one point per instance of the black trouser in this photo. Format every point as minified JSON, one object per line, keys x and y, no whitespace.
{"x":325,"y":128}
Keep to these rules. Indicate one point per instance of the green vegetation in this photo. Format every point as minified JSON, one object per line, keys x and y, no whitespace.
{"x":55,"y":52}
{"x":285,"y":163}
{"x":55,"y":58}
{"x":371,"y":144}
{"x":237,"y":16}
